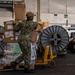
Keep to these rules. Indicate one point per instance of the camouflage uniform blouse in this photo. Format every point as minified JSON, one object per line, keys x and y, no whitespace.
{"x":26,"y":28}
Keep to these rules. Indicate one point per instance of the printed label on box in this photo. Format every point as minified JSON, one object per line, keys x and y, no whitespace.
{"x":9,"y":34}
{"x":9,"y":26}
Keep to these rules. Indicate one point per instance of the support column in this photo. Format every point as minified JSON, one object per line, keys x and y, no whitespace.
{"x":38,"y":10}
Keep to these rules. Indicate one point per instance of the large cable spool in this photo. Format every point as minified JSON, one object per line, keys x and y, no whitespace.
{"x":2,"y":44}
{"x":56,"y":36}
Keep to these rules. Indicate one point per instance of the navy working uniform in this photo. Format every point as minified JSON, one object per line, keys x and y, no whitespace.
{"x":24,"y":40}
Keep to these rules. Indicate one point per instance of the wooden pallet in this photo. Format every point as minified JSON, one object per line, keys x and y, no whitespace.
{"x":7,"y":67}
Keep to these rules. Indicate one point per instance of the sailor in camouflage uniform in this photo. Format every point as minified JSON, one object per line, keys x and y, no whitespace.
{"x":26,"y":27}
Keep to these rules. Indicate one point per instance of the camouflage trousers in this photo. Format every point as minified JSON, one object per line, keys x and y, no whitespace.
{"x":26,"y":53}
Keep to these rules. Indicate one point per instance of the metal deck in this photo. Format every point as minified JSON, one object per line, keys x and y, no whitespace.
{"x":65,"y":65}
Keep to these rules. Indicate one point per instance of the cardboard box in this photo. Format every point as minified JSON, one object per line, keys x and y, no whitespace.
{"x":9,"y":36}
{"x":8,"y":22}
{"x":39,"y":28}
{"x":8,"y":32}
{"x":34,"y":37}
{"x":36,"y":33}
{"x":8,"y":25}
{"x":45,"y":25}
{"x":16,"y":36}
{"x":19,"y":10}
{"x":42,"y":25}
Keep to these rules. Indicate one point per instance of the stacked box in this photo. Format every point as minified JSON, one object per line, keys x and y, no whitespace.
{"x":45,"y":25}
{"x":33,"y":53}
{"x":19,"y":10}
{"x":10,"y":54}
{"x":8,"y":57}
{"x":9,"y":35}
{"x":16,"y":36}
